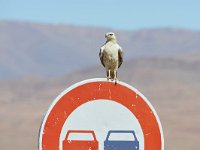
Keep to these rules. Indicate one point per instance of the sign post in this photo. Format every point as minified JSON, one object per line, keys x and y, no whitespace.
{"x":96,"y":114}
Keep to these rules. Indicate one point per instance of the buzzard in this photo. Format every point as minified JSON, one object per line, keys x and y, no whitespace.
{"x":111,"y":56}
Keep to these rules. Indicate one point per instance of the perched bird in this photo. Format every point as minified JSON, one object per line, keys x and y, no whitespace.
{"x":111,"y":56}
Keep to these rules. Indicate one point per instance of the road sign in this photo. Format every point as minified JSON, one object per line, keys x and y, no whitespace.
{"x":101,"y":109}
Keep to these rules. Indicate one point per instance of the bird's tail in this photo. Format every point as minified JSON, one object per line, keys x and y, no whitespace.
{"x":112,"y":75}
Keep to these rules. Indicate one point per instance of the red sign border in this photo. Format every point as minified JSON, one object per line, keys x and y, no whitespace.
{"x":98,"y":89}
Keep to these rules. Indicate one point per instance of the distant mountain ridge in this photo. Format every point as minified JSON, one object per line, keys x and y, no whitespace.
{"x":54,"y":50}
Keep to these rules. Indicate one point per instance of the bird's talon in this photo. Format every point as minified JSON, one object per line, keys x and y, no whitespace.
{"x":115,"y":82}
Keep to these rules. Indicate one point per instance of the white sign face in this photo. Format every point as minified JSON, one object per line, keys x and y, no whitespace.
{"x":99,"y":115}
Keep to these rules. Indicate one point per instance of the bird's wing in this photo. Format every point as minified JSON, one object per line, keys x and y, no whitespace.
{"x":120,"y":57}
{"x":101,"y":56}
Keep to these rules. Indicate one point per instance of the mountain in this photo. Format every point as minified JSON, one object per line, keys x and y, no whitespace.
{"x":54,"y":50}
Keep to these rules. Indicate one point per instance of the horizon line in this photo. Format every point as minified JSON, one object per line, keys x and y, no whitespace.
{"x":97,"y":26}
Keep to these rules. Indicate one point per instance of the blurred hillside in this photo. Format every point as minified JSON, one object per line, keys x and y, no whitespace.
{"x":164,"y":64}
{"x":54,"y":50}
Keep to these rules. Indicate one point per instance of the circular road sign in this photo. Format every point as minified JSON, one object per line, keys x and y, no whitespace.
{"x":99,"y":115}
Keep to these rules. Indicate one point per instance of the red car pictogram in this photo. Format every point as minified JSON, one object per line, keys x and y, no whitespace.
{"x":78,"y":143}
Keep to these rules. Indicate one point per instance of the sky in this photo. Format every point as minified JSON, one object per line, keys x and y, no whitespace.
{"x":123,"y":14}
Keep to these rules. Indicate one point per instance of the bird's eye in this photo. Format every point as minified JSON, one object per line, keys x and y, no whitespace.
{"x":110,"y":34}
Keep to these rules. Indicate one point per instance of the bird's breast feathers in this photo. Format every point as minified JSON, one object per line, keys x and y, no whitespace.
{"x":111,"y":51}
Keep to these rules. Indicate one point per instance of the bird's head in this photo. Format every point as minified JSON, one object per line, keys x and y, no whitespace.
{"x":110,"y":36}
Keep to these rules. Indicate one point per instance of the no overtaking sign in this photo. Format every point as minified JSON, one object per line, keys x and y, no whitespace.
{"x":98,"y":115}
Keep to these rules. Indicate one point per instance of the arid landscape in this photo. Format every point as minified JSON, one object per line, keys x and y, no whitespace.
{"x":39,"y":61}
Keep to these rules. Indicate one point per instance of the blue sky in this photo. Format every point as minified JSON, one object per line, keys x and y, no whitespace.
{"x":124,"y":14}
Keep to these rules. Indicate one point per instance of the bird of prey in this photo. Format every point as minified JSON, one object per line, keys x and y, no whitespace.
{"x":111,"y":56}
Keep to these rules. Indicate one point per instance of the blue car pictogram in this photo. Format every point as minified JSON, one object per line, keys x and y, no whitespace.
{"x":120,"y":144}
